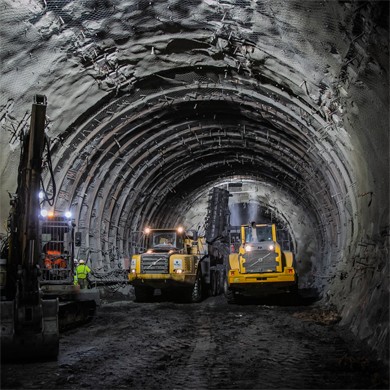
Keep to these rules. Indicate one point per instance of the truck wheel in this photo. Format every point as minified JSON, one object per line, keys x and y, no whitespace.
{"x":218,"y":283}
{"x":196,"y":292}
{"x":214,"y":284}
{"x":143,"y":294}
{"x":229,"y":293}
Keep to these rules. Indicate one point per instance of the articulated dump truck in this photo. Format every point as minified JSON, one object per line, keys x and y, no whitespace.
{"x":258,"y":266}
{"x":175,"y":263}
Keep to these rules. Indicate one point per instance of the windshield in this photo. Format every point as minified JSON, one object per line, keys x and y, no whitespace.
{"x":163,"y":239}
{"x":260,"y":233}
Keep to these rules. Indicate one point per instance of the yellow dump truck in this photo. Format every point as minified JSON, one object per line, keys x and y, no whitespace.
{"x":172,"y":262}
{"x":257,"y":265}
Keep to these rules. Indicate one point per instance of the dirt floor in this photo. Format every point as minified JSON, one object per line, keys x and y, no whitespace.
{"x":267,"y":344}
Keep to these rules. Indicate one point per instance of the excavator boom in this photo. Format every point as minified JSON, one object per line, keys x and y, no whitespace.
{"x":29,"y":323}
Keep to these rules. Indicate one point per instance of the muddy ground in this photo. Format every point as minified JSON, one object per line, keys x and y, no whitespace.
{"x":261,"y":344}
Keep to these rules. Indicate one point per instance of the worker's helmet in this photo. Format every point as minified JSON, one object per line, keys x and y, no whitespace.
{"x":81,"y":262}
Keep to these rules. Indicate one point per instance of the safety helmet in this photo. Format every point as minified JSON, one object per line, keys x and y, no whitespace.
{"x":81,"y":262}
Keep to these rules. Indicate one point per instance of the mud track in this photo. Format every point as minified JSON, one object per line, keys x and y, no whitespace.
{"x":211,"y":345}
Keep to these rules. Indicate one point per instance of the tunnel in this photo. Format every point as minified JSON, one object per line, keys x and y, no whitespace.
{"x":151,"y":104}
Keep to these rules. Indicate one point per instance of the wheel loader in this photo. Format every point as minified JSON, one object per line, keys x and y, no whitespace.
{"x":258,"y":266}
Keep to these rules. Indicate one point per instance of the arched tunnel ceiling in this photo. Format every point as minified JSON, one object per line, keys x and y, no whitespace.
{"x":151,"y":103}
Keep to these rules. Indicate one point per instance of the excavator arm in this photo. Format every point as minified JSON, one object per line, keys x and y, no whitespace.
{"x":29,"y":323}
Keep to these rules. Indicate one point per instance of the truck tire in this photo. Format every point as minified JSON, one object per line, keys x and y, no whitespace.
{"x":229,"y":293}
{"x":195,"y":293}
{"x":143,"y":293}
{"x":214,"y":283}
{"x":219,"y":283}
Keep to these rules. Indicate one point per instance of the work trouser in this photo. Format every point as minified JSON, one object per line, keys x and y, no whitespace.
{"x":83,"y":283}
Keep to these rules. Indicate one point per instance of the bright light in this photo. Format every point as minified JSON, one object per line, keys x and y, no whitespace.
{"x":68,"y":214}
{"x":44,"y":213}
{"x":179,"y":271}
{"x":147,"y":230}
{"x":41,"y":195}
{"x":271,"y":247}
{"x":248,"y":248}
{"x":180,"y":229}
{"x":50,"y":214}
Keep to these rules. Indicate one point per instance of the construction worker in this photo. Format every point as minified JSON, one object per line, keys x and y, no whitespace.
{"x":75,"y":280}
{"x":53,"y":257}
{"x":82,"y":271}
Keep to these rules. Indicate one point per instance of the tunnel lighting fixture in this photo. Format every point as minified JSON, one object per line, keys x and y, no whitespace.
{"x":147,"y":230}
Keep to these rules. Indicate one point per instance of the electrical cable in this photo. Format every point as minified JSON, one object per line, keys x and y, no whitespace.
{"x":49,"y":200}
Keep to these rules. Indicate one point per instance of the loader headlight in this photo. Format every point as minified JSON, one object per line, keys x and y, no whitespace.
{"x":180,"y":229}
{"x":68,"y":214}
{"x":248,"y":248}
{"x":44,"y":213}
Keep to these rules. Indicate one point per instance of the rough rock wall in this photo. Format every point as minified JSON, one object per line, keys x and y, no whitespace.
{"x":316,"y":71}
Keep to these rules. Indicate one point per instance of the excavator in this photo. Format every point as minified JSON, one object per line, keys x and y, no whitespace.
{"x":37,"y":296}
{"x":29,"y":323}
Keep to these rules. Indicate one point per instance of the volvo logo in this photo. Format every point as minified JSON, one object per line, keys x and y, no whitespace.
{"x":154,"y":263}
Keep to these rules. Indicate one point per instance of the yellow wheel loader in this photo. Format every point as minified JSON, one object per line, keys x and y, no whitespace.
{"x":258,"y":266}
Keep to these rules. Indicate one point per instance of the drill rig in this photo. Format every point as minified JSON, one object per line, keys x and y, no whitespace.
{"x":29,"y":323}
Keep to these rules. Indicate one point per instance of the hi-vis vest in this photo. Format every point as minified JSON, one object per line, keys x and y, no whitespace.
{"x":82,"y":271}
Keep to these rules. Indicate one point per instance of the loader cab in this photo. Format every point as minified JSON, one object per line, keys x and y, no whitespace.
{"x":258,"y":233}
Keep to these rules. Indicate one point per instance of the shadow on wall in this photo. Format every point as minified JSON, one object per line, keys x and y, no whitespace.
{"x":305,"y":260}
